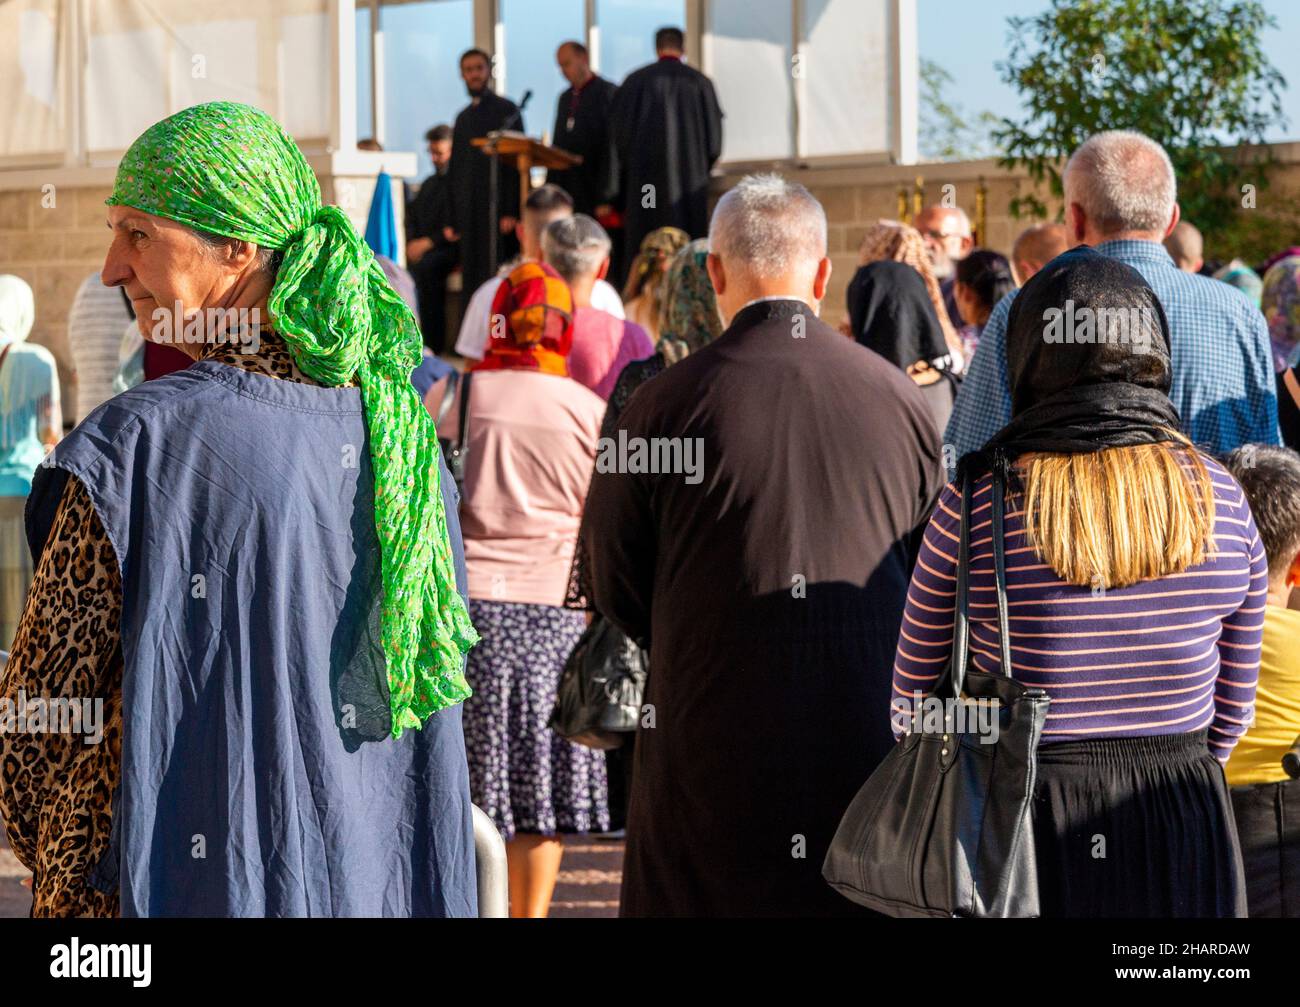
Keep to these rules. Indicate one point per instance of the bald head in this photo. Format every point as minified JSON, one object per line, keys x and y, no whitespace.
{"x":767,"y":238}
{"x":947,"y":234}
{"x":1186,"y":247}
{"x":574,"y":63}
{"x":1036,"y":247}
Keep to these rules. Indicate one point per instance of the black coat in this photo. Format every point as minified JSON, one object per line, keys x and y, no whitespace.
{"x":770,"y":595}
{"x":468,"y":181}
{"x":583,"y":128}
{"x":667,"y":130}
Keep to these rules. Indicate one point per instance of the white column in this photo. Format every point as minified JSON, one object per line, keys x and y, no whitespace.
{"x":906,"y":85}
{"x":343,"y":80}
{"x":593,"y":35}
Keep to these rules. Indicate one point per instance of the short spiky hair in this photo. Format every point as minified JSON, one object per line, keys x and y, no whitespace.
{"x":1271,"y":478}
{"x":670,"y":38}
{"x":768,"y":226}
{"x":1123,"y":180}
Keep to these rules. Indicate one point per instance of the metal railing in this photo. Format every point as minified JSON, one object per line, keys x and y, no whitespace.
{"x":490,"y":862}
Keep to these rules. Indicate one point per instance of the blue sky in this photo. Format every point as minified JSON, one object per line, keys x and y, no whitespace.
{"x":968,"y":37}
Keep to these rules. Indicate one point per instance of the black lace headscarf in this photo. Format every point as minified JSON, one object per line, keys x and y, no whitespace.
{"x":1087,"y":361}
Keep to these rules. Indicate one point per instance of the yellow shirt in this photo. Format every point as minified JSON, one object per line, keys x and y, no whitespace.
{"x":1258,"y":756}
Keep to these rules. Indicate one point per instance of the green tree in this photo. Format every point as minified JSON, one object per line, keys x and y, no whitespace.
{"x":947,"y":132}
{"x":1190,"y":74}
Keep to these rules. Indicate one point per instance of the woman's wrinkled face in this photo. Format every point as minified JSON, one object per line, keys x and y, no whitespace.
{"x":167,"y":271}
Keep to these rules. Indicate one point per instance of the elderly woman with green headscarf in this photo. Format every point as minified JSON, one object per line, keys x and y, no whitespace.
{"x":249,"y":588}
{"x":31,"y":422}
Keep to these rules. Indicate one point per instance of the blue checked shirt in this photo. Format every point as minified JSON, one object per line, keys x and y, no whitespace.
{"x":1223,"y":382}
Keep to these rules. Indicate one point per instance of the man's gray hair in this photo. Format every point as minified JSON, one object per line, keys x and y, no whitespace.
{"x":1124,"y":181}
{"x":575,"y":246}
{"x":768,"y":227}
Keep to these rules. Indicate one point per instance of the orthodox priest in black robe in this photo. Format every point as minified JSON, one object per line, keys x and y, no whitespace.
{"x":769,"y":590}
{"x":582,"y":127}
{"x":667,"y":130}
{"x":469,"y":176}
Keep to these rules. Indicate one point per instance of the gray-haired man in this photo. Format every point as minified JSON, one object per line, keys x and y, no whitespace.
{"x":769,"y":584}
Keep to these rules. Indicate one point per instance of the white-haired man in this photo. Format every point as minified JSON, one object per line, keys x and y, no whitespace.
{"x":1121,"y":198}
{"x":767,"y":577}
{"x":948,"y":239}
{"x":603,"y":344}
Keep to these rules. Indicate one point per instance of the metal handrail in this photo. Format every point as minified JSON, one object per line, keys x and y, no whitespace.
{"x":490,"y":863}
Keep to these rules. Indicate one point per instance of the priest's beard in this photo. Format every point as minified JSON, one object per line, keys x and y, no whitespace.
{"x":477,"y":92}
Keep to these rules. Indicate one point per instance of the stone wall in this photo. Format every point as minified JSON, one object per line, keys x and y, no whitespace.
{"x":854,"y":197}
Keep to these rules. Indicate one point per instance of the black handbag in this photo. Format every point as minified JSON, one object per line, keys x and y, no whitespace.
{"x":944,"y":826}
{"x":598,"y":701}
{"x":457,"y":452}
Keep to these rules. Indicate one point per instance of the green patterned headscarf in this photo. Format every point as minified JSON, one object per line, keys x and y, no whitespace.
{"x":230,"y":169}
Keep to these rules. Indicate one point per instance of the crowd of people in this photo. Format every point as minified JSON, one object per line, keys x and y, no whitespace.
{"x":325,"y":583}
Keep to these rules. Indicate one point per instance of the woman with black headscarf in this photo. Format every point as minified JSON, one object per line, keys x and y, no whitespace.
{"x":1136,"y":585}
{"x":890,"y":311}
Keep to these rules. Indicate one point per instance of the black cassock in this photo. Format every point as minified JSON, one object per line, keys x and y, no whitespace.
{"x":770,"y":592}
{"x":469,"y":180}
{"x":667,"y":130}
{"x":582,"y":127}
{"x":426,"y":216}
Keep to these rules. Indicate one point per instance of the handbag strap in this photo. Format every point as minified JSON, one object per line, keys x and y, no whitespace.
{"x":462,"y":414}
{"x":961,"y":620}
{"x":448,"y":396}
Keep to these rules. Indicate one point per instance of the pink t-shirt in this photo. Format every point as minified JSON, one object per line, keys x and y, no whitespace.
{"x":532,"y":446}
{"x":602,"y":346}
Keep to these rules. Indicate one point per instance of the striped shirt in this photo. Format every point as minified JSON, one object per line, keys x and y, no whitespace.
{"x":1166,"y":656}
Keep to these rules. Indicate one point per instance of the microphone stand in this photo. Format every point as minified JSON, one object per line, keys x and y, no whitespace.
{"x":494,"y":181}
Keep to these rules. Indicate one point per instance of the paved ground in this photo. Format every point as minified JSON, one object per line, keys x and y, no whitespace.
{"x":589,"y":878}
{"x":588,"y":885}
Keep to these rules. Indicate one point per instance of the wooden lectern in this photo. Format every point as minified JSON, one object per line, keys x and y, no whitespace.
{"x":524,"y":153}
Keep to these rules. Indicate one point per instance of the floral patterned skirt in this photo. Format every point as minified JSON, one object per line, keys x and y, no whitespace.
{"x":524,"y":775}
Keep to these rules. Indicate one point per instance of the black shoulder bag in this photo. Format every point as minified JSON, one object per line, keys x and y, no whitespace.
{"x":457,"y":452}
{"x":944,"y":826}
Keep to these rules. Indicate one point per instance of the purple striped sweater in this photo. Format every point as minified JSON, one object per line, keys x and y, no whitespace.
{"x":1165,"y":656}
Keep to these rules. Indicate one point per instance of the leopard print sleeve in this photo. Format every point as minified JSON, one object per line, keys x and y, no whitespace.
{"x":56,"y":786}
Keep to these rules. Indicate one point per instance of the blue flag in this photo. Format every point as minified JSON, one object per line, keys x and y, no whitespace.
{"x":381,"y":226}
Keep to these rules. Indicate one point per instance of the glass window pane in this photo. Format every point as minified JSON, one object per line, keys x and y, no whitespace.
{"x":533,"y":32}
{"x":627,"y":32}
{"x":29,"y":114}
{"x":748,"y":55}
{"x":148,"y":58}
{"x":847,"y":52}
{"x":365,"y":114}
{"x":422,"y":85}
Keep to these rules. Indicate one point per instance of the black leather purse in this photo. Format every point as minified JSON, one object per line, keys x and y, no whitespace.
{"x":944,"y":827}
{"x":598,"y":700}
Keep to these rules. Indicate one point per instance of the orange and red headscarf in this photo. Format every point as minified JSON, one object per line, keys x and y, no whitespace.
{"x":531,"y":324}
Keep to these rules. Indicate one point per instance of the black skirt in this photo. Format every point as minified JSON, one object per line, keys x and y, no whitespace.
{"x":1136,"y":828}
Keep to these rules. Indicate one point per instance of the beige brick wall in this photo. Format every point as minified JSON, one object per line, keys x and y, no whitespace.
{"x":53,"y":241}
{"x":854,"y":198}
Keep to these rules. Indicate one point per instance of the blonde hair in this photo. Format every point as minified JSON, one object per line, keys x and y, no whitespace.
{"x":1114,"y":517}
